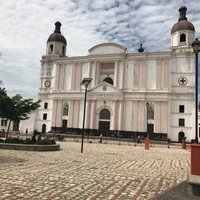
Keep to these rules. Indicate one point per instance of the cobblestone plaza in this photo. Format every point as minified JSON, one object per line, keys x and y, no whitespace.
{"x":103,"y":171}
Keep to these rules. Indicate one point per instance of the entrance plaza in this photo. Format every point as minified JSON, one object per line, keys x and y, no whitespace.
{"x":103,"y":171}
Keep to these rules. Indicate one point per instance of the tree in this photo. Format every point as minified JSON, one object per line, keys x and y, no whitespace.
{"x":3,"y":92}
{"x":15,"y":108}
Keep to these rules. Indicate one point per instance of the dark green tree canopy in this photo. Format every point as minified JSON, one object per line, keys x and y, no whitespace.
{"x":3,"y":92}
{"x":15,"y":108}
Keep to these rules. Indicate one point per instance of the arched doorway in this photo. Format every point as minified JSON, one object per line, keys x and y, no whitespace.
{"x":104,"y":121}
{"x":44,"y":128}
{"x":181,"y":135}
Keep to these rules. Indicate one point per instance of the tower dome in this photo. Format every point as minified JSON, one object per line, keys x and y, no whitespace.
{"x":57,"y":36}
{"x":56,"y":43}
{"x":183,"y":31}
{"x":183,"y":23}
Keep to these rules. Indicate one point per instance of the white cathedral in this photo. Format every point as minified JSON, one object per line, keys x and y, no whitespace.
{"x":131,"y":93}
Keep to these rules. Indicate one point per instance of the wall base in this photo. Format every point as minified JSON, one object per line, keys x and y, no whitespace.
{"x":194,"y":182}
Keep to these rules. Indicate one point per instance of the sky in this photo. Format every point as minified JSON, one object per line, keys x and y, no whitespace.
{"x":27,"y":24}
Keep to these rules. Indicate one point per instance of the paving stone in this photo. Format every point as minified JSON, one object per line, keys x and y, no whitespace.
{"x":103,"y":171}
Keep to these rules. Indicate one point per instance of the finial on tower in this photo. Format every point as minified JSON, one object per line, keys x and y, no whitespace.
{"x":182,"y":11}
{"x":57,"y":27}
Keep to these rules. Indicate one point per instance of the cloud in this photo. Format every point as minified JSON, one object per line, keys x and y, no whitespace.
{"x":26,"y":26}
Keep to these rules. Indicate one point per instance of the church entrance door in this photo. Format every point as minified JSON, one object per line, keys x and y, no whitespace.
{"x":104,"y":122}
{"x":104,"y":127}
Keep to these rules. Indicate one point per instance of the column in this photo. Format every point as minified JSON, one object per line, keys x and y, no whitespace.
{"x":141,"y":117}
{"x":58,"y":113}
{"x":116,"y":73}
{"x":54,"y":113}
{"x":78,"y":80}
{"x":120,"y":109}
{"x":164,"y":117}
{"x":142,"y":75}
{"x":157,"y":117}
{"x":165,"y":74}
{"x":57,"y":75}
{"x":136,"y":74}
{"x":61,"y":77}
{"x":97,"y":67}
{"x":76,"y":113}
{"x":87,"y":114}
{"x":121,"y":75}
{"x":71,"y":113}
{"x":114,"y":115}
{"x":93,"y":114}
{"x":89,"y":70}
{"x":158,"y":74}
{"x":73,"y":76}
{"x":134,"y":116}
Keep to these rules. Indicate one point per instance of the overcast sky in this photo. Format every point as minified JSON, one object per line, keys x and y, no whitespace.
{"x":27,"y":24}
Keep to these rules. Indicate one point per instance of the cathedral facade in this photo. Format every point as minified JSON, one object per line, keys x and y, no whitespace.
{"x":130,"y":92}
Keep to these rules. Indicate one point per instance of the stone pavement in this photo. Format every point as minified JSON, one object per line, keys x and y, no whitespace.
{"x":103,"y":172}
{"x":182,"y":191}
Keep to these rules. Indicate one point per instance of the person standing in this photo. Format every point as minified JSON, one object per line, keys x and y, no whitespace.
{"x":100,"y":138}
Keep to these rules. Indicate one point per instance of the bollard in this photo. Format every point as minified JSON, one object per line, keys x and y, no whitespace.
{"x":195,"y":159}
{"x":146,"y":143}
{"x":194,"y":178}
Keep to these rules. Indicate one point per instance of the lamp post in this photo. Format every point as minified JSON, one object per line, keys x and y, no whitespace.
{"x":85,"y":82}
{"x":147,"y":104}
{"x":196,"y":48}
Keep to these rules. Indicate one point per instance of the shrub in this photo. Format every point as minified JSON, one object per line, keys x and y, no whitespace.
{"x":27,"y":141}
{"x":1,"y":141}
{"x":45,"y":142}
{"x":14,"y":141}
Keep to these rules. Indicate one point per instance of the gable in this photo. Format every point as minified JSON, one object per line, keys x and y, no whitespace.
{"x":105,"y":88}
{"x":107,"y":48}
{"x":105,"y":91}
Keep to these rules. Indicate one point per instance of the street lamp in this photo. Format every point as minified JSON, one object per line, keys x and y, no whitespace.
{"x":147,"y":104}
{"x":196,"y":48}
{"x":85,"y":82}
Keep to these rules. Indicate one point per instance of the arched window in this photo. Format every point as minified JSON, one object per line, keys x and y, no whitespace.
{"x":105,"y":114}
{"x":108,"y":80}
{"x":51,"y":48}
{"x":182,"y":38}
{"x":150,"y":111}
{"x":66,"y":110}
{"x":63,"y":51}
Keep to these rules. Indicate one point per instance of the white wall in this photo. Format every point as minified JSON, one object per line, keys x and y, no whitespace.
{"x":151,"y":74}
{"x":68,"y":75}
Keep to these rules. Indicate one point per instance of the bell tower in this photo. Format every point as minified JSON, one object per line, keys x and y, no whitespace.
{"x":182,"y":32}
{"x":56,"y":43}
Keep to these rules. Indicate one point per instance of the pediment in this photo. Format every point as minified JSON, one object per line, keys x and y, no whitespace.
{"x":105,"y":87}
{"x":105,"y":91}
{"x":107,"y":48}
